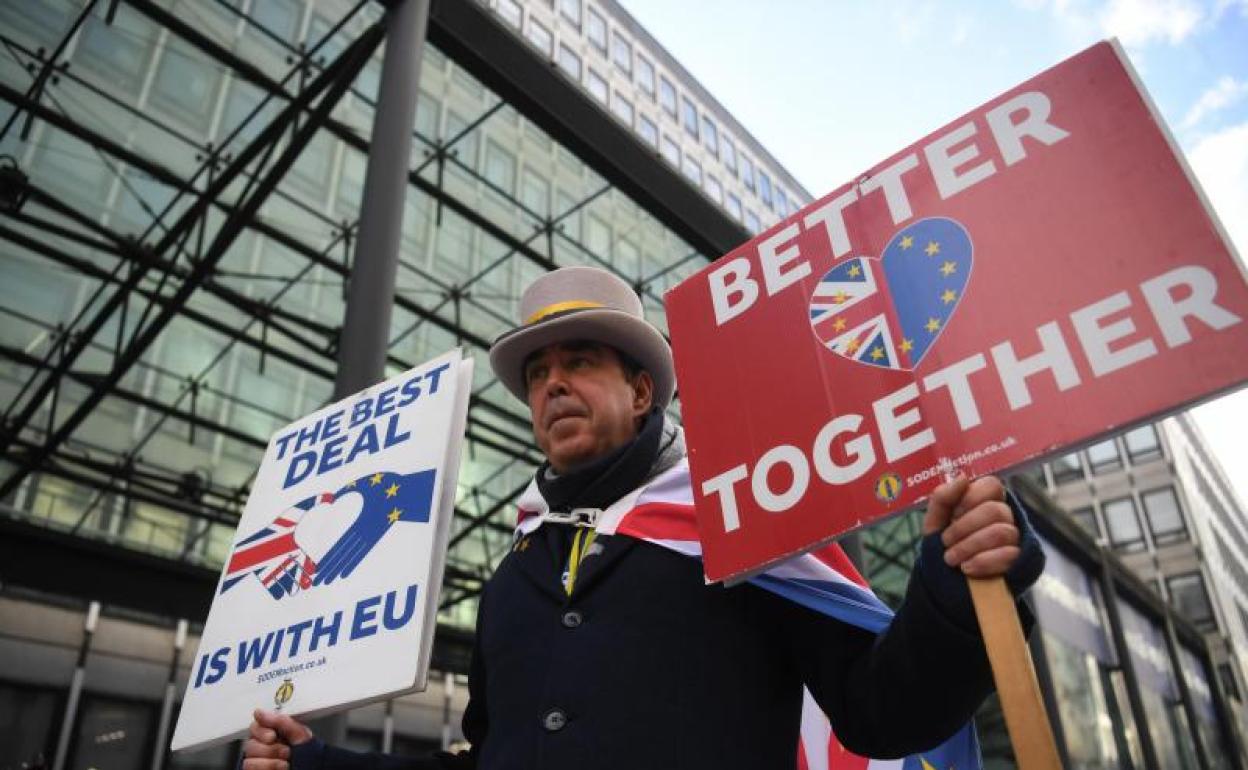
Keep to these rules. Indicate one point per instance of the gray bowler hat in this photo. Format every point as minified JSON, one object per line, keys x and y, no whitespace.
{"x":582,"y":303}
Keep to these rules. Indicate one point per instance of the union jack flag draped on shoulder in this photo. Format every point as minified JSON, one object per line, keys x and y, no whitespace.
{"x":661,"y":512}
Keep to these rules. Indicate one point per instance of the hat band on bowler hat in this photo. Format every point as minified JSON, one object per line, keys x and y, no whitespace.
{"x":560,"y":307}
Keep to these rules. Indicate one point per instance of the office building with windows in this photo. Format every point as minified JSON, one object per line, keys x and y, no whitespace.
{"x":180,"y":193}
{"x":1156,"y":496}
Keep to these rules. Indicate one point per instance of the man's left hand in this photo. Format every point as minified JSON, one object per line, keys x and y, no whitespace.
{"x":976,"y":525}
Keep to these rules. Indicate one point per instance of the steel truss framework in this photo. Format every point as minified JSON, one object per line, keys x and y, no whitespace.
{"x":143,"y":282}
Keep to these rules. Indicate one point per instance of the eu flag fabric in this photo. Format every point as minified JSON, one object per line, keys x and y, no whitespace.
{"x":889,"y":312}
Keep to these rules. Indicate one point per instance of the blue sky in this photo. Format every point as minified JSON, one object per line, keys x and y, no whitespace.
{"x":831,"y":88}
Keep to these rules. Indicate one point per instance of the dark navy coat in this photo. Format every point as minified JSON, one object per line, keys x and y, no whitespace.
{"x":646,"y":666}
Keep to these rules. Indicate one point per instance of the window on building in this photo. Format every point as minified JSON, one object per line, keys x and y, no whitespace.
{"x":571,"y":10}
{"x":569,"y":62}
{"x":596,"y":29}
{"x":689,"y":116}
{"x":1104,"y":457}
{"x":535,"y":192}
{"x":313,"y":167}
{"x":1067,"y":468}
{"x":569,"y":220}
{"x":1165,"y":518}
{"x":734,"y":206}
{"x":132,"y":721}
{"x":539,"y":36}
{"x":428,"y":115}
{"x":27,"y":717}
{"x":645,"y":75}
{"x":728,"y":153}
{"x":118,"y":51}
{"x":751,"y":222}
{"x":1189,"y":596}
{"x":1034,"y":472}
{"x":185,"y":85}
{"x":596,"y":84}
{"x":747,"y":173}
{"x":500,"y":167}
{"x":693,"y":170}
{"x":622,"y":53}
{"x":1086,"y":517}
{"x":598,"y":237}
{"x":622,"y":108}
{"x":782,"y":203}
{"x":670,"y":150}
{"x":508,"y":9}
{"x":667,"y":96}
{"x":465,"y":146}
{"x":648,"y":130}
{"x":764,"y":188}
{"x":1123,"y":524}
{"x":714,"y":189}
{"x":281,"y":17}
{"x":628,"y":258}
{"x":710,"y":137}
{"x":1142,"y":444}
{"x":43,"y":22}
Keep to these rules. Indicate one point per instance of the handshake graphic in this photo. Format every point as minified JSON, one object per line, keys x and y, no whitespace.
{"x":325,"y":537}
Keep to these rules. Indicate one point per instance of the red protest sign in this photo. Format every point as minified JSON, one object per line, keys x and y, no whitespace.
{"x":1039,"y":272}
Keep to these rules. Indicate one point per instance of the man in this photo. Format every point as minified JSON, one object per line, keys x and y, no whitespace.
{"x":598,"y":643}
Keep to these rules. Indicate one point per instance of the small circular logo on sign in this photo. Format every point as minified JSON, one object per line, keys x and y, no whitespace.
{"x":888,"y":487}
{"x":285,"y":691}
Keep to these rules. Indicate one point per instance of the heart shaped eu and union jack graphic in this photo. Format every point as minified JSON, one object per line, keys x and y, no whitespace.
{"x":888,"y":312}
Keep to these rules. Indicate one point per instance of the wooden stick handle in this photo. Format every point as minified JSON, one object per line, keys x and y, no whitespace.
{"x":1017,"y":687}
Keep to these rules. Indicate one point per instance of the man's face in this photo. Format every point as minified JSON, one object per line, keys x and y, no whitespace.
{"x":583,"y":402}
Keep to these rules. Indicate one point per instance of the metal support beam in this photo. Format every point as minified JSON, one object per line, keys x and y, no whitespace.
{"x":1118,"y":635}
{"x":365,"y":340}
{"x":1185,"y":694}
{"x":364,"y":344}
{"x":49,"y":64}
{"x":333,"y":82}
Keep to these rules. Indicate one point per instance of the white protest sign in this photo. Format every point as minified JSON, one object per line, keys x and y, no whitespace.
{"x":328,"y":598}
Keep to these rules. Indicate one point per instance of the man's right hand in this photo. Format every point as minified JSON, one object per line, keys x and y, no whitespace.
{"x":272,"y":736}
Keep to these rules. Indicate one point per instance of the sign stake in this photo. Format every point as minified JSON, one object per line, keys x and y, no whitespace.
{"x":1012,"y":670}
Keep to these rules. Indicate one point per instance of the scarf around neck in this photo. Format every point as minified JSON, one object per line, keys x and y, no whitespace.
{"x":601,"y":482}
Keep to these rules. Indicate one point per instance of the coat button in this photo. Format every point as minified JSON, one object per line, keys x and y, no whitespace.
{"x":554,"y":720}
{"x":572,"y":619}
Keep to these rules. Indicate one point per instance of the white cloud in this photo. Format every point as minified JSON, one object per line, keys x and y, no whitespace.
{"x":1139,"y":22}
{"x":1135,"y":22}
{"x":1220,"y":162}
{"x":1226,"y":92}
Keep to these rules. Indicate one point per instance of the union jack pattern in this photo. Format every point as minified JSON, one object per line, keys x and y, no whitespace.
{"x":272,"y":554}
{"x":661,"y":512}
{"x":888,"y":312}
{"x":852,"y":316}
